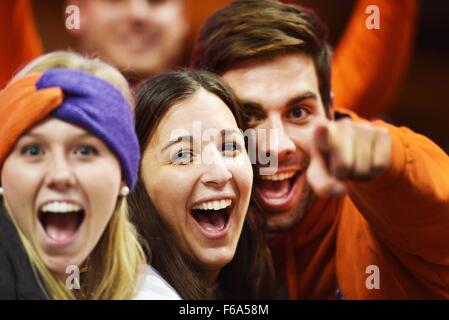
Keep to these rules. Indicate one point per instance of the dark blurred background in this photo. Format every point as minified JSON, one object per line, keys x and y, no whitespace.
{"x":422,"y":103}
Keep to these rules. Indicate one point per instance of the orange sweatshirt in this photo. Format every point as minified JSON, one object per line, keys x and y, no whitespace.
{"x":397,"y":223}
{"x":368,"y":65}
{"x":19,"y":39}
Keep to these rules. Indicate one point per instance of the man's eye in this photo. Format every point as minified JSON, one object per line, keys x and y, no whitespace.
{"x":231,"y":148}
{"x":182,"y":157}
{"x":85,"y":150}
{"x":32,"y":150}
{"x":298,"y":113}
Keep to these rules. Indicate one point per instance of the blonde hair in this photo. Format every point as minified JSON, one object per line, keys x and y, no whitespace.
{"x":115,"y":263}
{"x":72,"y":60}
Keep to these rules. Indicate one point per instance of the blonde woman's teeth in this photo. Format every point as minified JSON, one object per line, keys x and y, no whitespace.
{"x":61,"y":207}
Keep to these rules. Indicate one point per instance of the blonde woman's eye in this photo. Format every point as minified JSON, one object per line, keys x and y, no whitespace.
{"x":32,"y":150}
{"x":182,"y":157}
{"x":86,"y":150}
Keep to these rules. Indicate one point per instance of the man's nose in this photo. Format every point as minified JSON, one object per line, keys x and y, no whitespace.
{"x":275,"y":140}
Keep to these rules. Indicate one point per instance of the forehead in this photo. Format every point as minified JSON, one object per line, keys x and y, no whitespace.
{"x":275,"y":81}
{"x":159,"y":4}
{"x":52,"y":127}
{"x":198,"y":113}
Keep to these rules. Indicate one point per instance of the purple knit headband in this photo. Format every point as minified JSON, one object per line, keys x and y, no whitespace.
{"x":97,"y":106}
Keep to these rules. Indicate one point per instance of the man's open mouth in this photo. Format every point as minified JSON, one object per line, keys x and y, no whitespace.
{"x":276,"y":191}
{"x":61,"y":220}
{"x":213,"y":216}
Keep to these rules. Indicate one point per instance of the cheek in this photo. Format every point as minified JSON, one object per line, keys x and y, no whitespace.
{"x":172,"y":21}
{"x":170,"y":190}
{"x":242,"y":173}
{"x":301,"y":135}
{"x":101,"y":185}
{"x":17,"y":176}
{"x":100,"y":23}
{"x":101,"y":14}
{"x":20,"y":184}
{"x":169,"y":14}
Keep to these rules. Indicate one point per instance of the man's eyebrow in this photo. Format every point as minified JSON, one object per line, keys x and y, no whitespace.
{"x":178,"y":140}
{"x":257,"y":107}
{"x":301,"y":97}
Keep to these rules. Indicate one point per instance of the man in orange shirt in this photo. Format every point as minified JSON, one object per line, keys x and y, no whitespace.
{"x":139,"y":37}
{"x":354,"y":209}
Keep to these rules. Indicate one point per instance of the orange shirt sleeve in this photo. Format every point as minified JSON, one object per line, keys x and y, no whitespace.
{"x":368,"y":65}
{"x":19,"y":38}
{"x":408,"y":206}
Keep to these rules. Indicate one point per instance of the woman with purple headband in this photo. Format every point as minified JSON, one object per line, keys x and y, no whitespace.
{"x":69,"y":156}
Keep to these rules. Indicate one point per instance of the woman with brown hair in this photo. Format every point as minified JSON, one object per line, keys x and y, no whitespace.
{"x":191,"y":200}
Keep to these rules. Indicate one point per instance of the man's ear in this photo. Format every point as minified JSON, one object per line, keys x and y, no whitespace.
{"x":330,"y":108}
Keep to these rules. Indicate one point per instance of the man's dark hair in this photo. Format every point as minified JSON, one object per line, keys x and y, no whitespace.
{"x":248,"y":30}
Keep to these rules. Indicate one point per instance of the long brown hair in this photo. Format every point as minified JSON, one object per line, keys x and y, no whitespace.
{"x":249,"y":275}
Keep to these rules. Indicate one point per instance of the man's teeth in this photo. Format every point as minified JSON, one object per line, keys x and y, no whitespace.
{"x":280,"y":176}
{"x":213,"y":205}
{"x":61,"y":207}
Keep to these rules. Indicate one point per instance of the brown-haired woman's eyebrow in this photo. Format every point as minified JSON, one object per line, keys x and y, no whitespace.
{"x":229,"y":132}
{"x":177,"y":140}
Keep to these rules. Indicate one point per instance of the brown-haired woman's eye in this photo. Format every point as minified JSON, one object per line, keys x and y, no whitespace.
{"x":231,"y":148}
{"x":182,"y":157}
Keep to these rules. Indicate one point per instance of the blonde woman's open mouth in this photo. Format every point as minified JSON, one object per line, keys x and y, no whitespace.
{"x":61,"y":222}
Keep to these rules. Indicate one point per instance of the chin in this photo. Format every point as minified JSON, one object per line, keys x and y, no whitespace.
{"x":283,"y":221}
{"x":216,"y":260}
{"x":58,"y":265}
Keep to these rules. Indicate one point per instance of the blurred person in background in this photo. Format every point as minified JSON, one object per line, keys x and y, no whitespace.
{"x":139,"y":37}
